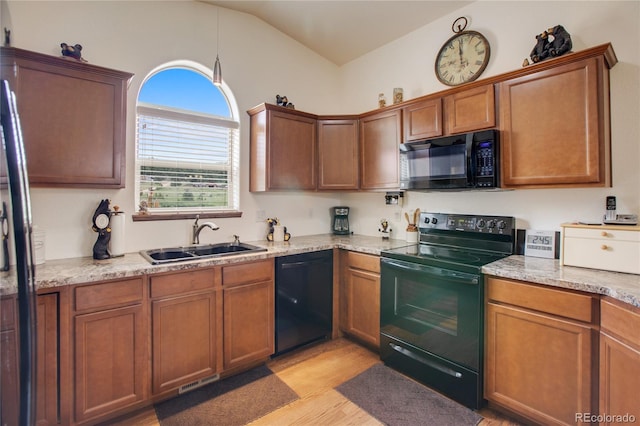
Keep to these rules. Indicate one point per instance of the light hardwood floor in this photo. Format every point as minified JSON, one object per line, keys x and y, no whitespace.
{"x":314,"y":373}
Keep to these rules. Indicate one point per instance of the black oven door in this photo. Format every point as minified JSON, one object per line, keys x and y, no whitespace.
{"x":434,"y":309}
{"x":431,"y":327}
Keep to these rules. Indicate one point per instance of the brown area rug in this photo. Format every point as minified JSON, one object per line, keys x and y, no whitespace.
{"x":396,"y":400}
{"x":233,"y":401}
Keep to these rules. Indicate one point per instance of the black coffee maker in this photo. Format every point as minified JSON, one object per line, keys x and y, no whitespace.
{"x":340,"y":220}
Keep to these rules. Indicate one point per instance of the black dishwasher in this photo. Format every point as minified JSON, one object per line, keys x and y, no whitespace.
{"x":304,"y":299}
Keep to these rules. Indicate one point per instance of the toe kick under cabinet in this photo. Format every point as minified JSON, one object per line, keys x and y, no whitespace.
{"x":609,"y":247}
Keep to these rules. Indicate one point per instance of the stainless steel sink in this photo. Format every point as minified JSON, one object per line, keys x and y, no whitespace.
{"x":181,"y":254}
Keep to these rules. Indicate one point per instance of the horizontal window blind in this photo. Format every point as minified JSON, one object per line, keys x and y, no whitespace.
{"x":185,"y":161}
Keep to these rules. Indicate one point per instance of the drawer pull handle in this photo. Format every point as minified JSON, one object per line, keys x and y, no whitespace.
{"x":604,"y":247}
{"x":604,"y":234}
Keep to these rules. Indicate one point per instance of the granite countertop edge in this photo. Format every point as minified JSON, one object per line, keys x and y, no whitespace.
{"x":63,"y":272}
{"x":618,"y":285}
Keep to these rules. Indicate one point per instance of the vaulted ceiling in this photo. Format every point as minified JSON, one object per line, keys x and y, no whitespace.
{"x":343,"y":30}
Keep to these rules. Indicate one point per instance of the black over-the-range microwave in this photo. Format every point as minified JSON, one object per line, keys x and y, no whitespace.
{"x":458,"y":162}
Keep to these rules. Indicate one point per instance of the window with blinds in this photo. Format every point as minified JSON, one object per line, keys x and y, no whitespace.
{"x":186,"y":161}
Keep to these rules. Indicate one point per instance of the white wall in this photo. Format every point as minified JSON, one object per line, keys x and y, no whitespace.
{"x":510,"y":27}
{"x":259,"y":62}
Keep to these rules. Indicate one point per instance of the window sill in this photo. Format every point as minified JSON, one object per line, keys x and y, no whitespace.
{"x":180,"y":216}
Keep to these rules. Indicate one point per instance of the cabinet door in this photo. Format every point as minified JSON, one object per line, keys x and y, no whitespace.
{"x":555,"y":127}
{"x":184,"y":340}
{"x":471,"y":109}
{"x":380,"y":137}
{"x":423,"y":120}
{"x":48,"y":360}
{"x":248,"y":323}
{"x":537,"y":365}
{"x":619,"y":359}
{"x":73,"y":118}
{"x":619,"y":378}
{"x":110,"y":361}
{"x":9,"y":390}
{"x":362,"y":294}
{"x":291,"y":151}
{"x":338,"y":154}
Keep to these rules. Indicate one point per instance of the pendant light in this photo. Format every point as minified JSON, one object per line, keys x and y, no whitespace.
{"x":217,"y":69}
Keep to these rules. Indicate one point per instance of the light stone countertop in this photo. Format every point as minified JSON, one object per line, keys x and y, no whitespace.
{"x":55,"y":273}
{"x":621,"y":286}
{"x":61,"y":272}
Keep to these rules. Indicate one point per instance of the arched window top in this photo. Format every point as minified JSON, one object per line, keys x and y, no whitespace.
{"x":184,"y":89}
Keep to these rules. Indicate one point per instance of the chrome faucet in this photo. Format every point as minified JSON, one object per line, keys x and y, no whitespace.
{"x":195,"y":236}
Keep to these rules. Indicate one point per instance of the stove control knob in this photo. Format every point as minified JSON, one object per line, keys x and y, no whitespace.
{"x":426,"y":220}
{"x":434,"y":220}
{"x":491,"y":223}
{"x":501,"y":224}
{"x":481,"y":223}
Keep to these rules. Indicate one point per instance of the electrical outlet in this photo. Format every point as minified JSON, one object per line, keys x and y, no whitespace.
{"x":261,"y":216}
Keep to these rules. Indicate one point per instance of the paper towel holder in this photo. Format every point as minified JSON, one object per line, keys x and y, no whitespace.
{"x":116,"y":243}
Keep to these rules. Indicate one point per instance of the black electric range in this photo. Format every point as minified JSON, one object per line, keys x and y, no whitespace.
{"x":431,"y":301}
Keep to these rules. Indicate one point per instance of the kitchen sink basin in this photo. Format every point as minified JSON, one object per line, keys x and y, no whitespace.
{"x":180,"y":254}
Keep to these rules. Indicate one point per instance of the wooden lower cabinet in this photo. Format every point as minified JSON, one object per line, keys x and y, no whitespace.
{"x":619,"y":362}
{"x":48,"y":360}
{"x":249,"y":313}
{"x":540,"y":360}
{"x":185,"y":319}
{"x":9,"y":366}
{"x":360,"y":296}
{"x":110,"y":356}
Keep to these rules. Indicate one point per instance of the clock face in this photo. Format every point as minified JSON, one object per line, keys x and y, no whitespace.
{"x":462,"y":58}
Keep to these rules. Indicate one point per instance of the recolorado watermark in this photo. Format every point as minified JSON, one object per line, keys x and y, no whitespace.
{"x":605,"y":418}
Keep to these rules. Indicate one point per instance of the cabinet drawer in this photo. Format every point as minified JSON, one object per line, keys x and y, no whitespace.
{"x":108,"y":294}
{"x":602,"y":234}
{"x":247,"y":272}
{"x":622,"y":321}
{"x":605,"y":253}
{"x":184,"y":282}
{"x":563,"y":303}
{"x":366,"y":262}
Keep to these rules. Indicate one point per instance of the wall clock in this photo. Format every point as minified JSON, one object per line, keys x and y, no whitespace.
{"x":463,"y":57}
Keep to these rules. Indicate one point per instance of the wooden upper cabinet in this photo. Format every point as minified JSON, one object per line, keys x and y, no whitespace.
{"x":458,"y":112}
{"x":338,"y":154}
{"x":423,"y":120}
{"x":380,"y":138}
{"x":73,"y":117}
{"x":470,"y":109}
{"x":283,"y":149}
{"x":555,"y":125}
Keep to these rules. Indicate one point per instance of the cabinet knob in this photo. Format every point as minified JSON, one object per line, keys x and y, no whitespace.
{"x":604,"y":247}
{"x":604,"y":234}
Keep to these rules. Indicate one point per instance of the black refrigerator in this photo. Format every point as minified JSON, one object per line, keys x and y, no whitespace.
{"x":17,"y":279}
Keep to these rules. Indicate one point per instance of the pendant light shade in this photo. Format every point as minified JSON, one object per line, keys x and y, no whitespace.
{"x":217,"y":69}
{"x":217,"y":72}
